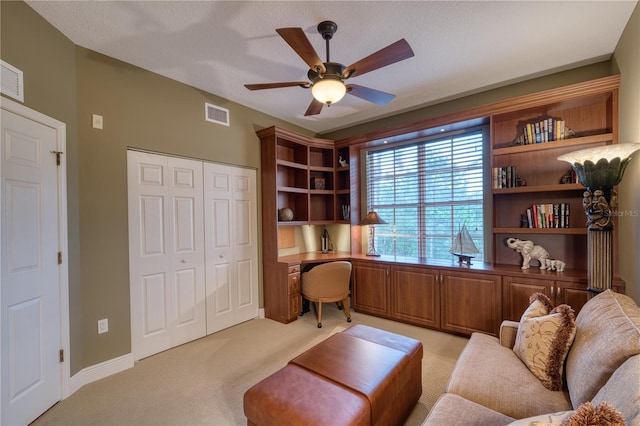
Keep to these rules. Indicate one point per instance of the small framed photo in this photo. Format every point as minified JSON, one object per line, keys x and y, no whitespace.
{"x":317,"y":183}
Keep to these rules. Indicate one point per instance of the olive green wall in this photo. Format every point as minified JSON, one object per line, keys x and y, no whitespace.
{"x":143,"y":110}
{"x":48,"y":61}
{"x":627,"y":59}
{"x":140,"y":109}
{"x":147,"y":111}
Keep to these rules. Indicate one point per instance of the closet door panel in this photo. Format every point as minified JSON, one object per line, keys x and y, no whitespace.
{"x":166,"y":252}
{"x":221,"y":278}
{"x":231,"y":249}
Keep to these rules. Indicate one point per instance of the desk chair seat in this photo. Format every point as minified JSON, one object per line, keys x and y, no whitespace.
{"x":328,"y":282}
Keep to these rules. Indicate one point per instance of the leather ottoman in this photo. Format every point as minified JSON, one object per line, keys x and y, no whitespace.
{"x":360,"y":376}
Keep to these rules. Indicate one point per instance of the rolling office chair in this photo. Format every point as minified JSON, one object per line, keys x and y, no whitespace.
{"x":328,"y":282}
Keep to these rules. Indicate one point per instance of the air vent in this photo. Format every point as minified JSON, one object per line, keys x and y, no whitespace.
{"x":216,"y":114}
{"x":12,"y":84}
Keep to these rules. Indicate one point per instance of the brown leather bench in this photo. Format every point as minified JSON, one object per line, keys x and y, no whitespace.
{"x":362,"y":376}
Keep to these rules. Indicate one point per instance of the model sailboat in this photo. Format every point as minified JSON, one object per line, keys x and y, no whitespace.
{"x":463,"y":246}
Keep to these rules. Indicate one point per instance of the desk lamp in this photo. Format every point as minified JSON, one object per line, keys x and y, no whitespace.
{"x":372,"y":219}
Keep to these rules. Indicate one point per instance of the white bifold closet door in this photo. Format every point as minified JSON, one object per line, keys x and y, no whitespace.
{"x":231,"y":245}
{"x":192,"y":249}
{"x":166,"y":252}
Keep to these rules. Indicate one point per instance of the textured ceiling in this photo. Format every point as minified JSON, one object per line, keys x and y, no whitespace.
{"x":460,"y":47}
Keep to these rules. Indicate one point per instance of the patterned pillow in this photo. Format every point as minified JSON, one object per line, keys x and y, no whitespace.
{"x":544,"y":339}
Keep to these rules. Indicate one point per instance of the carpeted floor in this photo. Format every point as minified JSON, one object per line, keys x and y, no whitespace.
{"x":202,"y":382}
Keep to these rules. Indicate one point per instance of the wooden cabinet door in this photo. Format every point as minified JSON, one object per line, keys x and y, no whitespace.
{"x":518,"y":290}
{"x":415,"y":295}
{"x":471,"y":302}
{"x":573,"y":294}
{"x":370,"y":293}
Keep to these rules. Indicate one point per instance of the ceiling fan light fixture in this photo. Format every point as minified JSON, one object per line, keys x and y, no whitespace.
{"x":328,"y":90}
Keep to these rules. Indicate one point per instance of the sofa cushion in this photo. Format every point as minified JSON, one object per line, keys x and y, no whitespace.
{"x":622,"y":391}
{"x":607,"y":334}
{"x":489,"y":374}
{"x":543,"y":341}
{"x":453,"y":410}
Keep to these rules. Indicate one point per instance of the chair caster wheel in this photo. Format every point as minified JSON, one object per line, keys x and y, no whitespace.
{"x":348,"y":319}
{"x":319,"y":325}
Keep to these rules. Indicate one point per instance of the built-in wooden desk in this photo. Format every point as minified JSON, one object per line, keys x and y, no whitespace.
{"x":441,"y":295}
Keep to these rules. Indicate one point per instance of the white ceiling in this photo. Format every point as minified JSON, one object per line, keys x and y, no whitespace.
{"x":460,"y":47}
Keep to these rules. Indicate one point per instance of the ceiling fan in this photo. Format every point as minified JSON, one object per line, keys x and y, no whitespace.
{"x":327,"y":79}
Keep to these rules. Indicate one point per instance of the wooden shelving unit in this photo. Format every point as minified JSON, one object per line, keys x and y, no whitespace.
{"x":303,"y":174}
{"x":591,"y":113}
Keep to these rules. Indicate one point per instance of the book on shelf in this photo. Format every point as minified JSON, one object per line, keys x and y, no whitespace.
{"x":543,"y":130}
{"x":548,"y":215}
{"x":504,"y":177}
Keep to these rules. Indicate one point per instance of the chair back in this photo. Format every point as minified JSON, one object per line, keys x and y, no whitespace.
{"x":327,"y":280}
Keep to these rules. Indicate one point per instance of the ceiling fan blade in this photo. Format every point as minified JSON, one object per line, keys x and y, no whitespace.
{"x":391,"y":54}
{"x":314,"y":108}
{"x":299,"y":42}
{"x":371,"y":95}
{"x":262,"y":86}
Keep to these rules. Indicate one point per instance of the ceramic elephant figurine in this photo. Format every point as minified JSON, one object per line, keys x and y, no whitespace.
{"x":555,"y":265}
{"x":529,"y":251}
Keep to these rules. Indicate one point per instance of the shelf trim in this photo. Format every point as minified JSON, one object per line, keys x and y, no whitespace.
{"x":563,"y":143}
{"x":549,"y":231}
{"x":292,"y":164}
{"x":292,"y":189}
{"x":559,"y":187}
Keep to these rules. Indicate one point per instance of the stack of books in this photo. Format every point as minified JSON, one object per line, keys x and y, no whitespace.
{"x":548,"y":216}
{"x":544,"y":130}
{"x":505,"y":177}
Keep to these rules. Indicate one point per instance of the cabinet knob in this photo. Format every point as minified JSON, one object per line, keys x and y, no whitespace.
{"x":184,"y":261}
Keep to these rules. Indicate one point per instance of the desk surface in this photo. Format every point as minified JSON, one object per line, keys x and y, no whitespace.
{"x":315,"y":257}
{"x":478,"y":266}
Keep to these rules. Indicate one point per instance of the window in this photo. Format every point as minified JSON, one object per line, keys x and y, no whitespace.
{"x":426,"y":191}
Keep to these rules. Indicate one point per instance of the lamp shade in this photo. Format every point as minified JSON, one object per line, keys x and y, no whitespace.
{"x":328,"y":90}
{"x":602,"y":166}
{"x":372,"y":218}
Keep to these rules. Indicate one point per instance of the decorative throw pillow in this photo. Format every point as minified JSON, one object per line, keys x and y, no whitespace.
{"x":539,"y":305}
{"x":550,"y":419}
{"x":587,"y":414}
{"x":544,"y":339}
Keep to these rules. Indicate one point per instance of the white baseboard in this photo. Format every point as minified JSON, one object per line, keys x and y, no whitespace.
{"x":99,"y":371}
{"x":261,"y":313}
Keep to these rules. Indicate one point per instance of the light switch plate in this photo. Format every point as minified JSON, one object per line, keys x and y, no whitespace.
{"x":103,"y":326}
{"x":97,"y":121}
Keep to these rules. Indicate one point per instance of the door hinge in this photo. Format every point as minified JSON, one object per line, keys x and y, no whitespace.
{"x":61,"y":355}
{"x":59,"y":258}
{"x":58,"y":154}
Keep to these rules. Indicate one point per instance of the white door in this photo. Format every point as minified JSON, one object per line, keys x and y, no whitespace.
{"x":31,"y":284}
{"x":231,"y":245}
{"x":166,"y":252}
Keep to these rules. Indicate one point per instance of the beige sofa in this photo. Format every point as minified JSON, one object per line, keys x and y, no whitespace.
{"x":490,"y":385}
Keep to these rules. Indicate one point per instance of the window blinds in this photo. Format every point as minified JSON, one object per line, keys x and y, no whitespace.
{"x":426,"y":191}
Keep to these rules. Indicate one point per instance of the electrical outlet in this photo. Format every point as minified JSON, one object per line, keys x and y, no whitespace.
{"x":103,"y":326}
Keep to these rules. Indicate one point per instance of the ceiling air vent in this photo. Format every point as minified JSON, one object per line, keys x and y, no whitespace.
{"x":12,"y":84}
{"x":216,"y":114}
